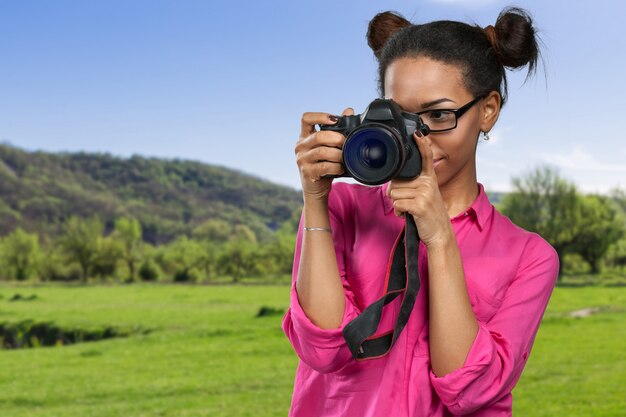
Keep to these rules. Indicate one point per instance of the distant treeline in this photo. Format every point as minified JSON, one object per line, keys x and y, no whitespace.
{"x":83,"y":252}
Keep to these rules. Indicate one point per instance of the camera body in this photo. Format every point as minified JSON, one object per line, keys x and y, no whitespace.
{"x":379,"y":143}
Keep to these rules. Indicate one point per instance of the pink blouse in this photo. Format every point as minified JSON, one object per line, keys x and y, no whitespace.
{"x":510,"y":274}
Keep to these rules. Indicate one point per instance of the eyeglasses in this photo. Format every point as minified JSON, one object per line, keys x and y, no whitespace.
{"x":442,"y":120}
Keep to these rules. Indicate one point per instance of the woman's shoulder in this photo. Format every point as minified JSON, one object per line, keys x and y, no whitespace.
{"x":534,"y":245}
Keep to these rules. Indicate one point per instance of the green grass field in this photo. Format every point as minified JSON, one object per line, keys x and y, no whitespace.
{"x":208,"y":355}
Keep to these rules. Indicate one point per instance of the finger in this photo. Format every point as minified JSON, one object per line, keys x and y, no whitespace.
{"x":349,"y":111}
{"x":322,"y":169}
{"x":423,"y":144}
{"x":402,"y":194}
{"x":328,"y":153}
{"x":400,"y":184}
{"x":400,"y":207}
{"x":323,"y":153}
{"x":310,"y":119}
{"x":321,"y":138}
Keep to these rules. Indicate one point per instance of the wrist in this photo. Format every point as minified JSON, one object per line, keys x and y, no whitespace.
{"x":315,"y":212}
{"x":442,"y":241}
{"x":314,"y":200}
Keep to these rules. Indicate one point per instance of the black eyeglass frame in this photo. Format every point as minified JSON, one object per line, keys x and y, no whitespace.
{"x":457,"y":113}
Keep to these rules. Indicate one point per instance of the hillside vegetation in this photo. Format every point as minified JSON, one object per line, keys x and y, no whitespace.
{"x":39,"y":191}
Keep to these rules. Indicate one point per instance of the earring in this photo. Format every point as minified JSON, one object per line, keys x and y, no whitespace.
{"x":486,"y":135}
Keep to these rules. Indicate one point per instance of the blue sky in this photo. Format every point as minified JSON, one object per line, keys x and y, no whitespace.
{"x":227,"y":82}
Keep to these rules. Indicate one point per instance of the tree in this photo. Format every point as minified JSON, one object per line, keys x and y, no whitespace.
{"x":105,"y":262}
{"x":619,"y":197}
{"x":600,"y":225}
{"x":54,"y":265}
{"x":280,"y":250}
{"x":185,"y":255}
{"x":616,"y":254}
{"x":213,"y":229}
{"x":128,"y":233}
{"x":21,"y":254}
{"x":291,"y":225}
{"x":81,"y":242}
{"x":243,"y":232}
{"x":544,"y":203}
{"x":150,"y":270}
{"x":238,"y":258}
{"x":210,"y":256}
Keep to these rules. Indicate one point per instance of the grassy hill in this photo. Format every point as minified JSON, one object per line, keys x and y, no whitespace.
{"x":40,"y":190}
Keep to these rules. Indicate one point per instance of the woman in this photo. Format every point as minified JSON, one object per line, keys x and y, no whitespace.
{"x":485,"y":283}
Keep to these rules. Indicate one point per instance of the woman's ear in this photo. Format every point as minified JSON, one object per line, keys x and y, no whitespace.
{"x":490,"y":110}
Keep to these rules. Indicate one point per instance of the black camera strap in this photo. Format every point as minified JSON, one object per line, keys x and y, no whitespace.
{"x":402,"y":277}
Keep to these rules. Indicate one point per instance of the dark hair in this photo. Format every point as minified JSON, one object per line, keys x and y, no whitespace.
{"x":481,"y":53}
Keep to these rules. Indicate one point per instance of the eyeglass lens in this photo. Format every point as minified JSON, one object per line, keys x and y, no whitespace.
{"x":439,"y":120}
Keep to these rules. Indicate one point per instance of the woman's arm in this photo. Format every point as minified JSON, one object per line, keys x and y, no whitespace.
{"x":503,"y":343}
{"x":321,"y":302}
{"x":319,"y":286}
{"x":452,"y":324}
{"x":323,"y":349}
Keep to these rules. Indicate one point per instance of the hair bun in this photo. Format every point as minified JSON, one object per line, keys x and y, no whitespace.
{"x":514,"y":39}
{"x":382,"y":27}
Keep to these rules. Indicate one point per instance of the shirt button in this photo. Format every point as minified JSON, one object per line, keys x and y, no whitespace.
{"x":466,"y":213}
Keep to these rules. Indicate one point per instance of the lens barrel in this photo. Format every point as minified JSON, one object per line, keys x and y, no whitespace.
{"x":373,"y":153}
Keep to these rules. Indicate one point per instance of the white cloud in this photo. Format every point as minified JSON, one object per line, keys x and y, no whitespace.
{"x":578,"y":159}
{"x":589,"y":172}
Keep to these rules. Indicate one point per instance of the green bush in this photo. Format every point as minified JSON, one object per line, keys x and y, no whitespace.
{"x":185,"y":275}
{"x":573,"y":263}
{"x":55,"y":267}
{"x":270,"y":311}
{"x":149,"y":271}
{"x":28,"y":333}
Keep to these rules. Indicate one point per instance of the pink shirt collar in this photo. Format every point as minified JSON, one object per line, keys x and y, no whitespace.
{"x":481,"y":209}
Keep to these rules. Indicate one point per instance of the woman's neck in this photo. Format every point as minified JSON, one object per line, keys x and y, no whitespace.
{"x":458,"y":194}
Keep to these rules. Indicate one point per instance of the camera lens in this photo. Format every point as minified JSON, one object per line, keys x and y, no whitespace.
{"x":373,"y":154}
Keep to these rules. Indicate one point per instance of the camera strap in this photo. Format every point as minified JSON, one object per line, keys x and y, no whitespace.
{"x":402,"y":278}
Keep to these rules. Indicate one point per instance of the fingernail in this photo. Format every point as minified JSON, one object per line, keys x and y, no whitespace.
{"x":333,"y":118}
{"x":418,"y":134}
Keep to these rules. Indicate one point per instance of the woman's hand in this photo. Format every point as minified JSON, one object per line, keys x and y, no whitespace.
{"x":421,"y":197}
{"x":318,"y":153}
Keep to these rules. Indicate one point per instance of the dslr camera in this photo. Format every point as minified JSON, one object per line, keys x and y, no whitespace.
{"x":379,"y":143}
